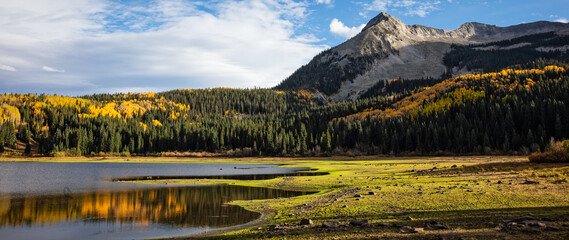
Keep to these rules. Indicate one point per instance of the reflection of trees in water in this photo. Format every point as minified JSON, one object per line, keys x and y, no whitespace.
{"x":180,"y":206}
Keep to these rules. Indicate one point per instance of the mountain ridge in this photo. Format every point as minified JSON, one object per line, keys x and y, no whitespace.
{"x":387,"y":48}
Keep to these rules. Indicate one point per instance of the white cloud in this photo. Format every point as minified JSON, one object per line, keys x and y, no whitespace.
{"x":324,"y":1}
{"x":7,"y":68}
{"x":339,"y":28}
{"x":165,"y":45}
{"x":562,"y":20}
{"x":378,"y":5}
{"x":558,"y":18}
{"x":419,"y":8}
{"x":50,"y":69}
{"x":404,"y":3}
{"x":422,"y":9}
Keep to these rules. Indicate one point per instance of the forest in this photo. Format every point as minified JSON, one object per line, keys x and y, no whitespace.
{"x":515,"y":110}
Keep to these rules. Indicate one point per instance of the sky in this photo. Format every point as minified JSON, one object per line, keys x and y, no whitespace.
{"x":79,"y":47}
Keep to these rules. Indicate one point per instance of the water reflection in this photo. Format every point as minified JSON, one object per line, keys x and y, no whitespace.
{"x":203,"y":206}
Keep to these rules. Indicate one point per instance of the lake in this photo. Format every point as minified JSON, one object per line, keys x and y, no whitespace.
{"x":79,"y":200}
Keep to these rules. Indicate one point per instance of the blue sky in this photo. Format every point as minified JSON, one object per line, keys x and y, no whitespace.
{"x":76,"y":47}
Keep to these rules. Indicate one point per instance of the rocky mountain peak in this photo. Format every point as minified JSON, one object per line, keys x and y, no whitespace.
{"x":473,"y":28}
{"x":387,"y":48}
{"x":381,"y":18}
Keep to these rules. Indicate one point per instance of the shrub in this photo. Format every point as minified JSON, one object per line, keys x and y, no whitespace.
{"x":557,"y":152}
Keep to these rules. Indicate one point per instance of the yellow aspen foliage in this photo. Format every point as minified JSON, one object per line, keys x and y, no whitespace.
{"x":305,"y":94}
{"x":174,"y":115}
{"x":143,"y":125}
{"x":149,"y":95}
{"x":45,"y":128}
{"x":554,"y":69}
{"x":507,"y":79}
{"x":107,"y":110}
{"x":9,"y":113}
{"x":156,"y":123}
{"x":68,"y":102}
{"x":130,"y":109}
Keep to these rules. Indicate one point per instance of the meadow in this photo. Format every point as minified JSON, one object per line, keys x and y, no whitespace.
{"x":479,"y":197}
{"x":438,"y":197}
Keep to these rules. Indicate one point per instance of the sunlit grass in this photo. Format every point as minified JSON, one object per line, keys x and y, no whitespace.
{"x":464,"y":192}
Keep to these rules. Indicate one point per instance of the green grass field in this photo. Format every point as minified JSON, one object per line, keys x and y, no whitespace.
{"x":474,"y":196}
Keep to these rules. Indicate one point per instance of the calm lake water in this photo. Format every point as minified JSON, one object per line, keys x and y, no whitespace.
{"x":79,"y":201}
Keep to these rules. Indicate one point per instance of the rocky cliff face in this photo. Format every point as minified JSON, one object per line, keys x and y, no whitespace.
{"x":387,"y":48}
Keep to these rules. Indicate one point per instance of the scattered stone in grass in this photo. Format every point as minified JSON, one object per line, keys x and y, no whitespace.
{"x":357,"y":199}
{"x":357,"y":195}
{"x":371,"y":193}
{"x":358,"y":188}
{"x":434,"y":168}
{"x":409,"y":229}
{"x":410,"y":218}
{"x":531,"y":182}
{"x":359,"y":223}
{"x":304,"y":204}
{"x":274,"y":227}
{"x":334,"y":224}
{"x":345,"y":206}
{"x":499,"y":182}
{"x":536,"y":224}
{"x":454,"y":166}
{"x":306,"y":221}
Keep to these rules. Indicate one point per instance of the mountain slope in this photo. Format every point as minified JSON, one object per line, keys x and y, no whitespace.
{"x":388,"y":49}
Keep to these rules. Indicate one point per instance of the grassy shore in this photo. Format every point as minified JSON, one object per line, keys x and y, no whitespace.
{"x":431,"y":197}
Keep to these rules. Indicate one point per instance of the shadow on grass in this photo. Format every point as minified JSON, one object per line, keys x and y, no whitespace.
{"x":468,"y":224}
{"x":497,"y":167}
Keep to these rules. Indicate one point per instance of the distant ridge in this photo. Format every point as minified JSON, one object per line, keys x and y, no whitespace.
{"x":387,"y":48}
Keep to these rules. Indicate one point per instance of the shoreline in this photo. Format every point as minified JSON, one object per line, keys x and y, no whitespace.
{"x":471,"y":197}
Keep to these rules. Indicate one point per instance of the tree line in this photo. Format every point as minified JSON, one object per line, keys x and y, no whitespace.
{"x":515,"y":110}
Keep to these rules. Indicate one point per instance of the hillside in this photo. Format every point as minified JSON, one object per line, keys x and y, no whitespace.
{"x":514,"y":110}
{"x":388,"y":49}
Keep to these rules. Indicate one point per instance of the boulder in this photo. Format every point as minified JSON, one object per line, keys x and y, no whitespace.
{"x":409,"y":229}
{"x":334,"y":224}
{"x":306,"y":221}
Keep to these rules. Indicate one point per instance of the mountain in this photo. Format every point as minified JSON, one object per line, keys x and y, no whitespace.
{"x":387,"y":49}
